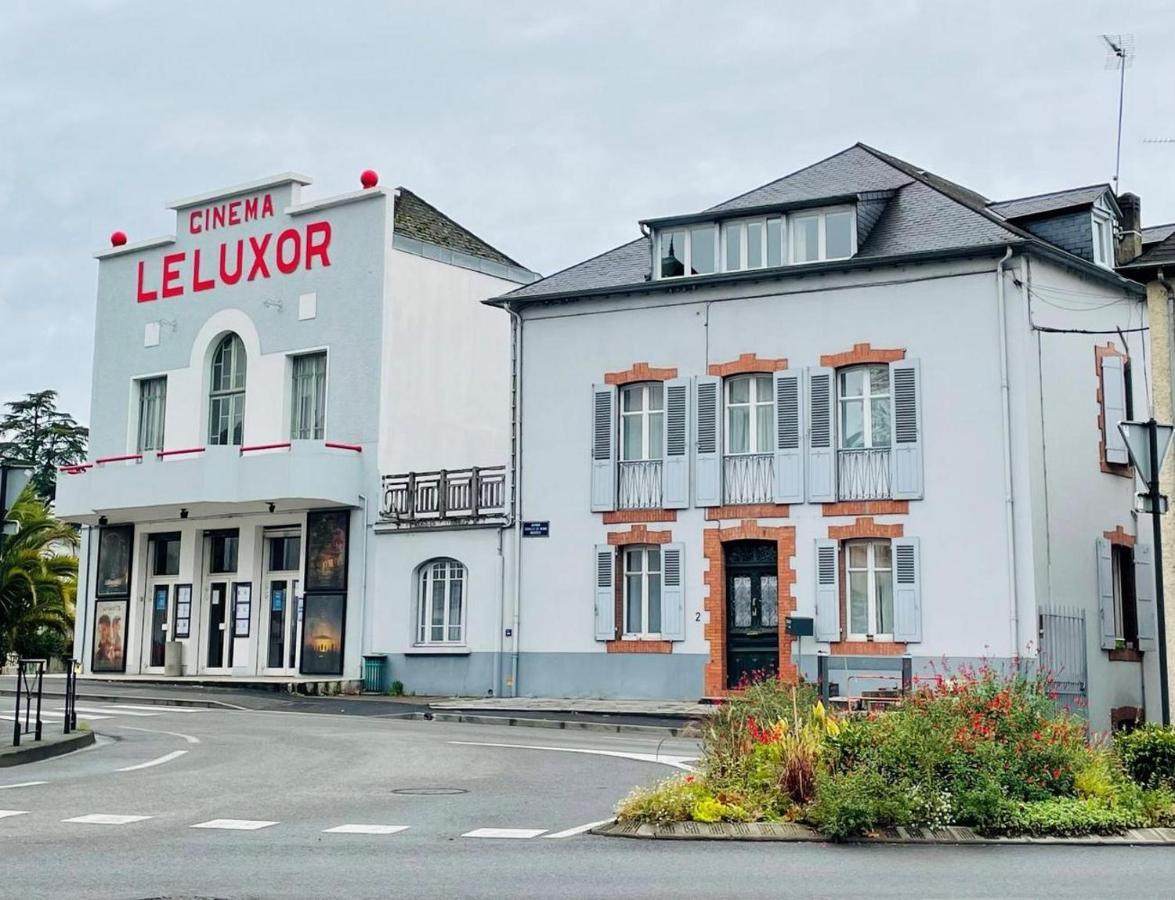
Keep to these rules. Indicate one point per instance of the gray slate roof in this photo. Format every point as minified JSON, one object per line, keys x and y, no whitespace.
{"x":1157,"y":254}
{"x":418,"y":219}
{"x":1023,"y":207}
{"x":1155,"y":233}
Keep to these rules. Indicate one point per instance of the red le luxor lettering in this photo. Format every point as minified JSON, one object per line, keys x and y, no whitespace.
{"x":286,"y":252}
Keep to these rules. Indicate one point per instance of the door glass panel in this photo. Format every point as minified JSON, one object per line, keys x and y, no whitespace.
{"x":278,"y":604}
{"x":742,"y":601}
{"x":769,"y":606}
{"x":158,"y":624}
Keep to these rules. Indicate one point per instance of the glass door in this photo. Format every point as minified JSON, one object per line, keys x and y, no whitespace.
{"x":279,"y":610}
{"x":163,"y":567}
{"x":217,"y":623}
{"x":158,"y":624}
{"x":283,"y":560}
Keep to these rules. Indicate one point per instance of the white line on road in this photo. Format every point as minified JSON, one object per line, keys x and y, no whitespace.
{"x":166,"y":758}
{"x":578,"y":829}
{"x":102,"y":710}
{"x":516,"y":833}
{"x":366,"y":829}
{"x":5,"y":813}
{"x":677,"y":762}
{"x":5,"y":787}
{"x":105,"y":819}
{"x":178,"y":734}
{"x":159,"y":708}
{"x":235,"y":824}
{"x":48,"y":716}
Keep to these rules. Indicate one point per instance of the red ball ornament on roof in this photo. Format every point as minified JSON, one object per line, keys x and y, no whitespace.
{"x":118,"y":239}
{"x":369,"y":178}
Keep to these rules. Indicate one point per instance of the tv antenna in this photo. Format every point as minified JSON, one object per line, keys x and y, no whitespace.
{"x":1120,"y":56}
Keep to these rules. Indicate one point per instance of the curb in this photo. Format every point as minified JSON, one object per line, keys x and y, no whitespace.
{"x":38,"y":750}
{"x":789,"y":832}
{"x":558,"y":724}
{"x":150,"y":701}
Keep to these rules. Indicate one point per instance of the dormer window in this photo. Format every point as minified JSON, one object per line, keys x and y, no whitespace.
{"x":1103,"y":238}
{"x":692,"y":250}
{"x":827,"y":234}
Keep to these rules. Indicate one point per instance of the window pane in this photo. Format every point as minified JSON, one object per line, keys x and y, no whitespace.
{"x":858,"y":556}
{"x":634,"y":561}
{"x":879,"y":380}
{"x":858,"y":603}
{"x":702,"y":247}
{"x":656,"y":430}
{"x":884,"y":582}
{"x":838,"y":235}
{"x":852,"y":383}
{"x":630,"y":437}
{"x":775,"y":242}
{"x":880,"y":415}
{"x":740,"y":390}
{"x":653,"y":555}
{"x":733,"y":235}
{"x":754,"y":245}
{"x":742,"y":601}
{"x":805,"y":238}
{"x":764,"y":426}
{"x":852,"y":426}
{"x":738,"y":435}
{"x":672,"y":253}
{"x":633,"y":605}
{"x":762,"y":388}
{"x":632,"y":399}
{"x":769,"y":588}
{"x":654,"y":605}
{"x":308,"y":397}
{"x":655,"y":392}
{"x":455,"y":599}
{"x":437,"y":612}
{"x":881,"y":556}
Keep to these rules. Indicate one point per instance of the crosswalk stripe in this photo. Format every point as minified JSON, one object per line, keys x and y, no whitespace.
{"x":157,"y":709}
{"x":20,"y":784}
{"x":578,"y":829}
{"x":517,"y":833}
{"x":365,"y":829}
{"x":235,"y":824}
{"x":109,"y":712}
{"x":5,"y":813}
{"x":105,"y":819}
{"x":49,"y":716}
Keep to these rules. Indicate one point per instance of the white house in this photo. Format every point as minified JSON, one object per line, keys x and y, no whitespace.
{"x":254,"y":377}
{"x":857,"y":416}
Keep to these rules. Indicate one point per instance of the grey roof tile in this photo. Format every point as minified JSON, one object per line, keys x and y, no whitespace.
{"x":1152,"y":234}
{"x":419,"y":219}
{"x":1157,"y":254}
{"x":1044,"y":203}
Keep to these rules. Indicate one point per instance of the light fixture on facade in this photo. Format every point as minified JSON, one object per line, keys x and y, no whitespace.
{"x":183,"y":513}
{"x":271,"y":506}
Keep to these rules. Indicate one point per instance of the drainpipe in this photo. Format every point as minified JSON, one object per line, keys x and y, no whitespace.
{"x":1005,"y":410}
{"x":364,"y":641}
{"x":515,"y":491}
{"x":1162,"y":279}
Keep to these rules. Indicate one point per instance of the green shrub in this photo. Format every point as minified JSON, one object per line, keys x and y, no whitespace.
{"x":1158,"y":807}
{"x":983,"y":806}
{"x":1148,"y":753}
{"x":671,"y":800}
{"x":1070,"y":816}
{"x":396,"y":689}
{"x":852,"y":803}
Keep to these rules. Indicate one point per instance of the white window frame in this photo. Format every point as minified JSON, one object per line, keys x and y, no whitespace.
{"x":742,"y":226}
{"x":822,"y":237}
{"x":1103,"y":250}
{"x":757,"y":405}
{"x":643,"y":419}
{"x":431,"y":586}
{"x":154,"y":442}
{"x":232,"y":395}
{"x":293,"y":385}
{"x":872,"y":571}
{"x":687,"y":259}
{"x":648,"y":575}
{"x":866,"y":398}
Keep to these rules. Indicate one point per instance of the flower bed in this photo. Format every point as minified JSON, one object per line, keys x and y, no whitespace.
{"x":982,"y":750}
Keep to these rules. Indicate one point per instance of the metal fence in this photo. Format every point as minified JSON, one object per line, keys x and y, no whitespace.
{"x":1062,"y":653}
{"x":453,"y":493}
{"x":863,"y":474}
{"x":640,"y":484}
{"x":30,"y":675}
{"x":749,"y":478}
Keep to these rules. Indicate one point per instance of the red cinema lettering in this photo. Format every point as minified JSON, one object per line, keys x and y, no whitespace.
{"x":260,"y":266}
{"x":232,"y":277}
{"x":234,"y":213}
{"x":197,"y":284}
{"x":144,"y":296}
{"x":218,"y":217}
{"x":172,"y":274}
{"x":291,"y":236}
{"x":267,"y":207}
{"x":194,"y":222}
{"x":317,"y":242}
{"x":250,"y":209}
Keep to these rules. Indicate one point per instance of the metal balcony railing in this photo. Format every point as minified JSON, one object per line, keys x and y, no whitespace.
{"x":445,"y":494}
{"x":640,"y":484}
{"x":749,"y":478}
{"x":863,"y":474}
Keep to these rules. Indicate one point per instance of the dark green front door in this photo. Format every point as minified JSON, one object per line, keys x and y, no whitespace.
{"x":752,"y":611}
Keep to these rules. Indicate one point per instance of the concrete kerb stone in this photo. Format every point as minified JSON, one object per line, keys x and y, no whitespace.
{"x":561,"y":724}
{"x":126,"y":698}
{"x":46,"y":748}
{"x":791,"y":832}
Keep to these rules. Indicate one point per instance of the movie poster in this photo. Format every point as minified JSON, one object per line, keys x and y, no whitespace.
{"x":114,"y":561}
{"x":326,"y":550}
{"x":322,"y":634}
{"x":109,"y":636}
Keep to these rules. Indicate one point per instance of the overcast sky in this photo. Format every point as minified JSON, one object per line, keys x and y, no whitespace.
{"x":547,"y":128}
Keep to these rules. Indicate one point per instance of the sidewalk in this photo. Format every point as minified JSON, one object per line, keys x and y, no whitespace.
{"x":52,"y":743}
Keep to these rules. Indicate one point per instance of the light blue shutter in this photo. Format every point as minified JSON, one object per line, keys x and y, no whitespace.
{"x":789,"y":427}
{"x":1114,"y":409}
{"x":1105,"y":594}
{"x":827,"y":626}
{"x":1144,"y":595}
{"x":675,"y":465}
{"x":907,"y":591}
{"x":672,"y":592}
{"x":708,"y":459}
{"x":821,"y":445}
{"x":906,"y":459}
{"x":604,"y":430}
{"x":605,"y":586}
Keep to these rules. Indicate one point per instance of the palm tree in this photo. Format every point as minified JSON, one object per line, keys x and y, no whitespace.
{"x":38,"y":576}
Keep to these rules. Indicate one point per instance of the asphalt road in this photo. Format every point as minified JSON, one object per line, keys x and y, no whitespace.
{"x":308,"y":773}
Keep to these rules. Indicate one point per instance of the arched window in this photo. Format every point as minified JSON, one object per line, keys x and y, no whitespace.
{"x":440,"y":616}
{"x":226,"y":394}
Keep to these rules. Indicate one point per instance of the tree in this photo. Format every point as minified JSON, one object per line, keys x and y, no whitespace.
{"x":38,"y":578}
{"x":36,"y":433}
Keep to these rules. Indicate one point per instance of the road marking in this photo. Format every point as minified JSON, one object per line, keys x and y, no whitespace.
{"x":166,"y":758}
{"x":5,"y":787}
{"x":578,"y":829}
{"x":178,"y":734}
{"x":105,"y":819}
{"x":516,"y":833}
{"x":235,"y":824}
{"x":157,"y":709}
{"x":366,"y":829}
{"x":5,"y":813}
{"x":677,"y":762}
{"x":109,"y":712}
{"x":48,"y":716}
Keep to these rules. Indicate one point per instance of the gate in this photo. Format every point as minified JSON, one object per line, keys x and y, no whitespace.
{"x":1062,"y":653}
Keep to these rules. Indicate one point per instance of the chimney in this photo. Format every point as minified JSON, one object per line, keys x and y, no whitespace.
{"x":1130,"y":235}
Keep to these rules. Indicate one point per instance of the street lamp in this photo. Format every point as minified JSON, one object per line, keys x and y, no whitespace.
{"x":1147,"y":443}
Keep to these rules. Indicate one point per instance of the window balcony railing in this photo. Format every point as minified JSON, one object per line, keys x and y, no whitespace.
{"x":863,"y":474}
{"x":749,"y":478}
{"x":640,"y":484}
{"x":446,"y":494}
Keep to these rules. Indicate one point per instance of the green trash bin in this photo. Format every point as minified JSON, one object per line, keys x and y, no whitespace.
{"x":375,"y":674}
